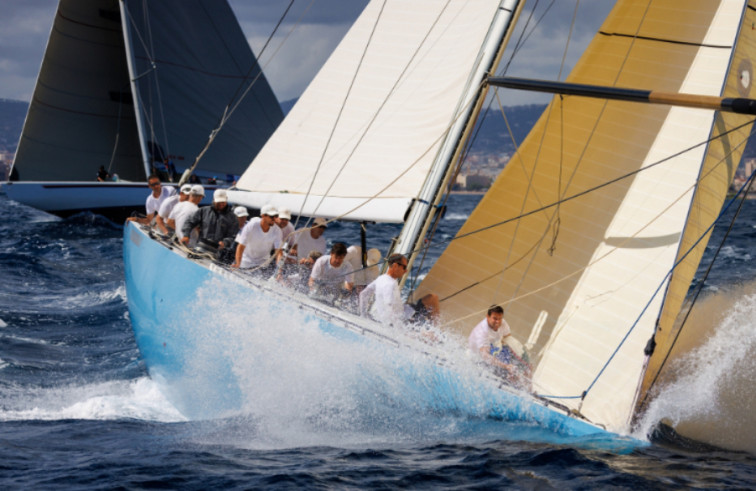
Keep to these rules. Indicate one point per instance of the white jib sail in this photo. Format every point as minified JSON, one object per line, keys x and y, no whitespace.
{"x":364,"y":134}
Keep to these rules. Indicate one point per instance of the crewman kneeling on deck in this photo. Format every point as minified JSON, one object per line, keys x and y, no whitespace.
{"x":382,"y":299}
{"x":331,"y":276}
{"x":493,"y":341}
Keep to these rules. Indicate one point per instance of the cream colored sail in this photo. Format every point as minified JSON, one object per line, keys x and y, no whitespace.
{"x":722,"y":159}
{"x":362,"y":138}
{"x":575,"y":278}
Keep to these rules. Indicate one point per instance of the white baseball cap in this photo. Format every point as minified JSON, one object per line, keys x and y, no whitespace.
{"x":320,"y":222}
{"x":241,"y":211}
{"x":186,"y":189}
{"x":197,"y":190}
{"x":284,"y":213}
{"x":269,"y":210}
{"x":220,"y":196}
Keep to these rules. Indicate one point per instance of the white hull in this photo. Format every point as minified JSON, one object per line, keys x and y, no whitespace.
{"x":114,"y":200}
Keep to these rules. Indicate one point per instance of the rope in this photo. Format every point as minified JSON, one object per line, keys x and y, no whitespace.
{"x":377,"y":112}
{"x":229,"y":109}
{"x":681,"y":196}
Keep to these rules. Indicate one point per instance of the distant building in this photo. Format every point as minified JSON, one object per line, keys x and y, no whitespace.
{"x":477,"y":182}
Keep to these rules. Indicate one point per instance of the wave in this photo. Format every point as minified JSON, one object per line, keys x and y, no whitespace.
{"x":140,"y":399}
{"x":707,"y":394}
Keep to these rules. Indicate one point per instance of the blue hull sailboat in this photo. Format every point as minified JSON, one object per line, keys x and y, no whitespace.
{"x":589,"y":238}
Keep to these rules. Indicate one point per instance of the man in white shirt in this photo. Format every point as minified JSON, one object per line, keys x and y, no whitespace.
{"x":331,"y":274}
{"x":256,"y":240}
{"x":310,"y":239}
{"x":182,"y":211}
{"x":382,"y":299}
{"x":283,"y":220}
{"x":154,"y":200}
{"x":167,"y":207}
{"x":492,"y":340}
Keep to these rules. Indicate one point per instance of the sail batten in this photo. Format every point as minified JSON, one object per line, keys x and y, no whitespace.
{"x":596,"y":267}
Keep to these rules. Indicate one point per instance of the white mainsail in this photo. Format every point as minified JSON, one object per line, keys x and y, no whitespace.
{"x":578,"y":280}
{"x":363,"y":137}
{"x":189,"y":58}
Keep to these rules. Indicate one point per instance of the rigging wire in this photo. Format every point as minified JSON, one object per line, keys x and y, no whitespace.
{"x":566,"y":199}
{"x":338,"y":118}
{"x":378,"y":111}
{"x":229,"y":109}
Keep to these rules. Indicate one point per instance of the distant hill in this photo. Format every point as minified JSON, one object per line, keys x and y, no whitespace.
{"x":492,"y":138}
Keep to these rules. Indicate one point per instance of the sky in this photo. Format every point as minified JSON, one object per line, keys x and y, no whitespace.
{"x":25,"y":27}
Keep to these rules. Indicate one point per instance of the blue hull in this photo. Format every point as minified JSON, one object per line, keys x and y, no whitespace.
{"x":210,"y":336}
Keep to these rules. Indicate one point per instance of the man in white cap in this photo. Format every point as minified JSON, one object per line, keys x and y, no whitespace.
{"x":227,"y":254}
{"x":257,"y":239}
{"x":216,"y":223}
{"x":167,"y":207}
{"x":154,"y":200}
{"x":242,"y":215}
{"x":492,"y":340}
{"x":283,"y":220}
{"x":182,"y":211}
{"x":310,"y":239}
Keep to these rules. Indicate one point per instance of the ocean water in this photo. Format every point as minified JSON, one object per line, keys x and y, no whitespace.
{"x":78,"y":410}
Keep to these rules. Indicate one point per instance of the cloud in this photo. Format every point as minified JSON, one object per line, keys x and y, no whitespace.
{"x":25,"y":27}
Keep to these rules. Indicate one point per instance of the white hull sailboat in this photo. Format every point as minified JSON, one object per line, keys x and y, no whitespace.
{"x":125,"y":85}
{"x":589,"y":238}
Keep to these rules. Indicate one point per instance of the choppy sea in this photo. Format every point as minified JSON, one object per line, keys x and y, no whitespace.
{"x":79,"y":411}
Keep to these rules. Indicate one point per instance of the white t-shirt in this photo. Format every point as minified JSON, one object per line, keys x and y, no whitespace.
{"x":382,"y":299}
{"x":180,"y":214}
{"x":324,"y":273}
{"x":257,"y":243}
{"x":286,"y":231}
{"x":167,"y":206}
{"x":306,"y":244}
{"x":153,"y":204}
{"x":483,"y":336}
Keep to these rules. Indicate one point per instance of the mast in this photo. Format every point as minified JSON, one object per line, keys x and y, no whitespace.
{"x":420,"y":215}
{"x":134,"y":90}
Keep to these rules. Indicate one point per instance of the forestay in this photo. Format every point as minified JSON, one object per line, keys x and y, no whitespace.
{"x":363,"y":136}
{"x":574,"y":278}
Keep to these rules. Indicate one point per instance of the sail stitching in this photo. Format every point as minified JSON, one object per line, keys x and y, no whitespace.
{"x":377,"y":112}
{"x":572,"y":197}
{"x":580,"y":158}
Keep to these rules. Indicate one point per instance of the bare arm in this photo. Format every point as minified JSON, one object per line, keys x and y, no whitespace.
{"x":239,"y":251}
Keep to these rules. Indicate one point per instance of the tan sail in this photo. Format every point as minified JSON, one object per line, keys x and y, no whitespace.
{"x":722,"y":159}
{"x":574,"y":278}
